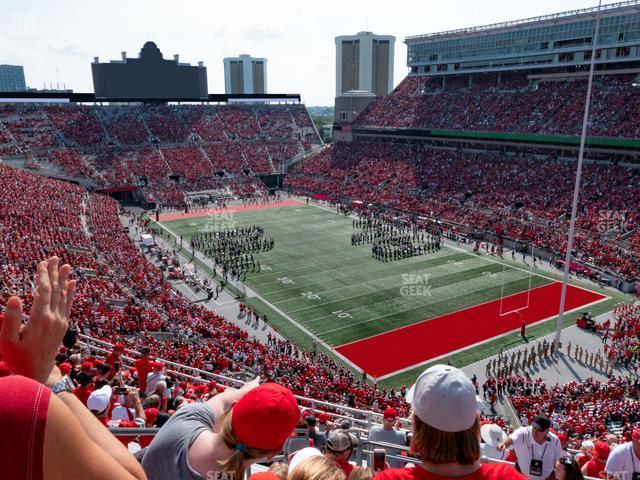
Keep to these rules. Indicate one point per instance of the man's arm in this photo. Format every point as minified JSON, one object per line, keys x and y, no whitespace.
{"x":506,"y":443}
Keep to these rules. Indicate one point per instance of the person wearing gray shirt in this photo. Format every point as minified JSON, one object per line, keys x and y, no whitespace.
{"x":388,"y":434}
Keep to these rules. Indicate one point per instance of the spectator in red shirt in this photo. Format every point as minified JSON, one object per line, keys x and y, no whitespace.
{"x":446,"y":431}
{"x":339,"y":448}
{"x":595,"y":466}
{"x":144,"y":365}
{"x":85,"y":387}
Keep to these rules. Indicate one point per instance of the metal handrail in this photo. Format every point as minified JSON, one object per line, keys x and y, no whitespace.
{"x":367,"y":417}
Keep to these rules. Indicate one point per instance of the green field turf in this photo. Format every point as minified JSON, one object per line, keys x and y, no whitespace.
{"x":313,"y":249}
{"x":340,"y":293}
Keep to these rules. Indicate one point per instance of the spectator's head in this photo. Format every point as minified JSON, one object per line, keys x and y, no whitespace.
{"x":568,"y":469}
{"x":587,"y":448}
{"x":340,"y":444}
{"x":601,"y":451}
{"x":362,"y":473}
{"x":310,"y":464}
{"x":311,"y":421}
{"x":152,"y":401}
{"x":84,"y":379}
{"x":446,"y":427}
{"x":145,"y":352}
{"x":258,"y":425}
{"x":389,"y":416}
{"x":345,"y":424}
{"x":151,"y":415}
{"x":98,"y":401}
{"x":540,"y":428}
{"x":118,"y":348}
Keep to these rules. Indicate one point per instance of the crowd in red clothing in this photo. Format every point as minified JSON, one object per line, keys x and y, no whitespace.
{"x":116,"y":146}
{"x":470,"y":189}
{"x":580,"y":410}
{"x":621,"y":343}
{"x":121,"y":297}
{"x":487,"y":103}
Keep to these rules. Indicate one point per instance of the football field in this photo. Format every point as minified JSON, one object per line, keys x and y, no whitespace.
{"x":383,"y":317}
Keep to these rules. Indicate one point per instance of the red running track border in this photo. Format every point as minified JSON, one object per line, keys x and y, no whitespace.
{"x":165,"y":217}
{"x":405,"y":347}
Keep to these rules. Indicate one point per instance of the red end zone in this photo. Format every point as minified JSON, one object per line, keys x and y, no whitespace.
{"x":420,"y":342}
{"x":165,"y":217}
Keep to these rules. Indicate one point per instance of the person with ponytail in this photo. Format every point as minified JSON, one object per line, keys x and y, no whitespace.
{"x":222,"y":437}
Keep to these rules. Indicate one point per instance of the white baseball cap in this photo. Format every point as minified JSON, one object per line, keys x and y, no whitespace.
{"x":301,"y":455}
{"x":99,"y":399}
{"x":444,"y":398}
{"x":492,"y":434}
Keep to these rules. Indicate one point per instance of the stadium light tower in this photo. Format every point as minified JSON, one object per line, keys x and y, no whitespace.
{"x":576,"y":188}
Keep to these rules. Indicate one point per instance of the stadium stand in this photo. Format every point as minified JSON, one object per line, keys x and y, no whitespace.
{"x":544,"y":107}
{"x":532,"y":209}
{"x":116,"y":146}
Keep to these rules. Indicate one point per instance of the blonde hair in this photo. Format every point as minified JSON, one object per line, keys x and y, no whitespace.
{"x":362,"y":473}
{"x":317,"y":468}
{"x":438,"y":447}
{"x":280,"y":470}
{"x":242,"y":454}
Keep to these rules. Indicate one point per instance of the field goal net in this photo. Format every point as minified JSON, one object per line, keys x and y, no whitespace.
{"x":515,"y":303}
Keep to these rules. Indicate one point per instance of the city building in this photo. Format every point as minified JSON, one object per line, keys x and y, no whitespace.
{"x":12,"y":78}
{"x":364,"y":62}
{"x":245,"y":74}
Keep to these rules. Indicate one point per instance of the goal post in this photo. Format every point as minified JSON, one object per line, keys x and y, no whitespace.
{"x":516,"y":309}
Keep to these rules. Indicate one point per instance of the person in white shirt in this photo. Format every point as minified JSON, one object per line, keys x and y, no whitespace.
{"x":536,"y":448}
{"x":155,"y":376}
{"x":624,"y":461}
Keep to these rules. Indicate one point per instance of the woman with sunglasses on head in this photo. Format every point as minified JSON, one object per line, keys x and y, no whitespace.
{"x":568,"y":469}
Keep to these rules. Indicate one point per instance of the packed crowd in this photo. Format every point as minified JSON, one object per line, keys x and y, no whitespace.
{"x":120,"y":297}
{"x":534,"y":208}
{"x":121,"y":146}
{"x":544,"y":107}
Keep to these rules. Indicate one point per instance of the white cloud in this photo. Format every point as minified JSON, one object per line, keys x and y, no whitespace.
{"x":72,"y":47}
{"x":261,"y":31}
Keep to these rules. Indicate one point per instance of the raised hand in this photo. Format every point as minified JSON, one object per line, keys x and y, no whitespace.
{"x":30,"y":349}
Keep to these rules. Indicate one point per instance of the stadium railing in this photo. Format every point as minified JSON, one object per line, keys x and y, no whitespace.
{"x":361,"y":419}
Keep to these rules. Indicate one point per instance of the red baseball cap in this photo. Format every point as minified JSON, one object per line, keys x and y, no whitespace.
{"x":265,"y":417}
{"x":601,"y":450}
{"x":636,"y":434}
{"x":390,"y":413}
{"x":151,"y":414}
{"x":65,"y":368}
{"x":118,"y":346}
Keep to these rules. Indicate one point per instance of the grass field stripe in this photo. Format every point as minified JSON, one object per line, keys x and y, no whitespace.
{"x":475,"y":345}
{"x":453,"y":246}
{"x":395,"y":312}
{"x":296,"y":324}
{"x":414,"y":306}
{"x":406,"y":346}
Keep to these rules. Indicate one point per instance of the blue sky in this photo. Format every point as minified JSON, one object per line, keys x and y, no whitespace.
{"x":58,"y":40}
